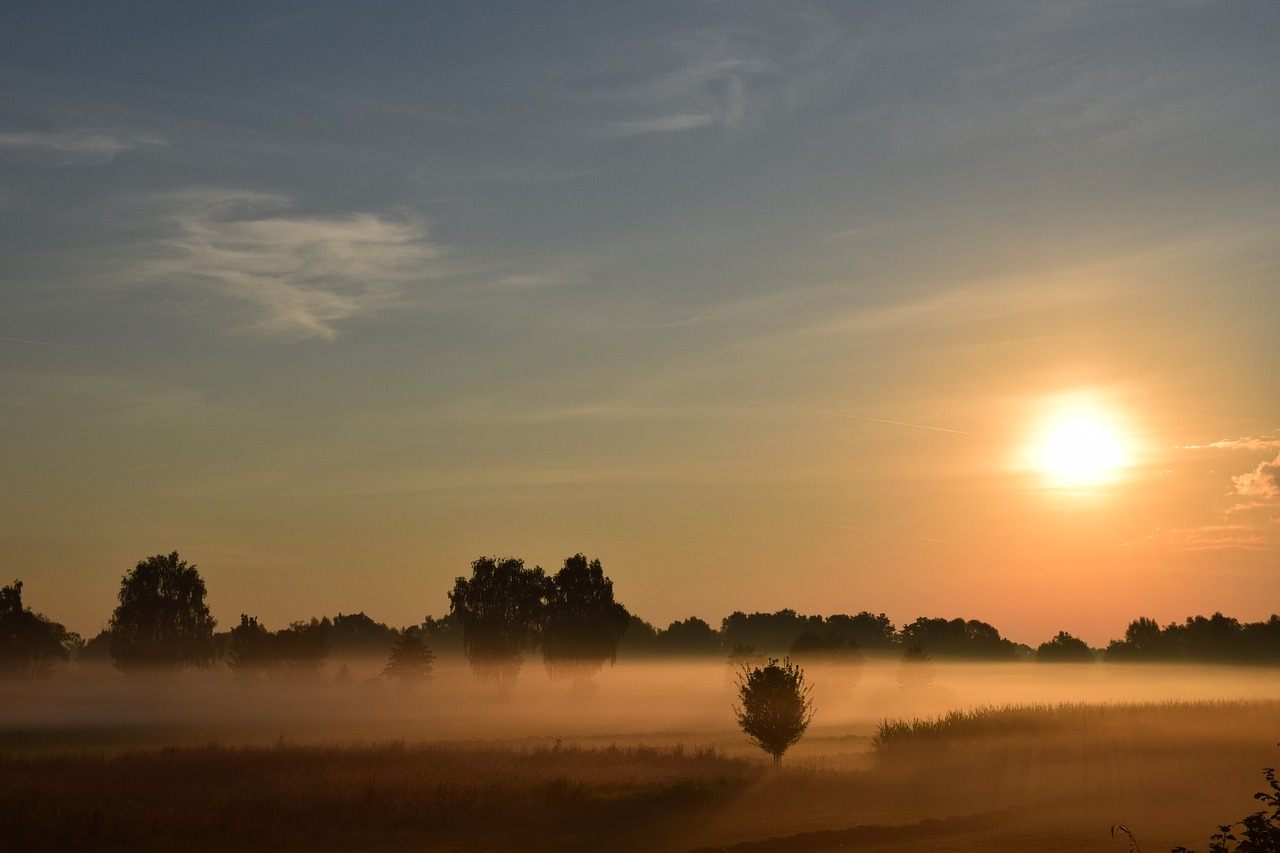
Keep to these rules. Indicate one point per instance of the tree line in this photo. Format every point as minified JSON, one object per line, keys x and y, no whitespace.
{"x":504,"y":611}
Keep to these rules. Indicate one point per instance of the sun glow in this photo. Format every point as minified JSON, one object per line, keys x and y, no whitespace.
{"x":1080,"y":451}
{"x":1076,"y":442}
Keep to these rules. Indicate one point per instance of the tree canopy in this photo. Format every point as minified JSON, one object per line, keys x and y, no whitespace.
{"x":778,"y":631}
{"x":583,"y":622}
{"x":1064,"y":648}
{"x":502,"y":610}
{"x":29,"y":642}
{"x":775,"y":708}
{"x":298,"y":650}
{"x":957,"y":638}
{"x":1212,"y":639}
{"x":162,"y":620}
{"x":411,"y":661}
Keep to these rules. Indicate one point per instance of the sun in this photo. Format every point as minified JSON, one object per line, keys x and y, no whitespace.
{"x":1080,"y":451}
{"x":1075,"y":441}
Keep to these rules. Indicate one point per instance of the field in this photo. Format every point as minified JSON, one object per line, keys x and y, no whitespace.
{"x":1012,"y":757}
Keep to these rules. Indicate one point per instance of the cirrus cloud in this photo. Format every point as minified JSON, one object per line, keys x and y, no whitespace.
{"x":279,"y":272}
{"x":73,"y":148}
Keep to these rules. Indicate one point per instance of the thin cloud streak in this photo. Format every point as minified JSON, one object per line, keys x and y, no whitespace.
{"x":41,"y":343}
{"x":739,"y":77}
{"x":1248,"y":443}
{"x":1219,"y":537}
{"x":75,"y":148}
{"x":864,"y":418}
{"x":54,"y":345}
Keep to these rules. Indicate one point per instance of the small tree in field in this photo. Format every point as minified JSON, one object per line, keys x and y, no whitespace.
{"x":411,"y":661}
{"x":775,"y":707}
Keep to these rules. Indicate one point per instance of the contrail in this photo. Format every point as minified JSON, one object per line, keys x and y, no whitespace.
{"x":720,"y":553}
{"x":864,"y":418}
{"x":63,"y":346}
{"x":40,"y":343}
{"x":697,"y":550}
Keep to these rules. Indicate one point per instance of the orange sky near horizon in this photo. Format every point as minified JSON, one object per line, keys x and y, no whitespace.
{"x":763,"y":307}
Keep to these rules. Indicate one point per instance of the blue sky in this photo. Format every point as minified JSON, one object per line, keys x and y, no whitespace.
{"x":759,"y":304}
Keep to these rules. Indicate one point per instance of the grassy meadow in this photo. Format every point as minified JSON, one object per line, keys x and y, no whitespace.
{"x":988,"y":758}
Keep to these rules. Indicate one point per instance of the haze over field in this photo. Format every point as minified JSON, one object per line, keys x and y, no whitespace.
{"x":649,"y":761}
{"x":957,"y":309}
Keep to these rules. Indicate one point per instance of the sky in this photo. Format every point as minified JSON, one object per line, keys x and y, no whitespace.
{"x":763,"y":305}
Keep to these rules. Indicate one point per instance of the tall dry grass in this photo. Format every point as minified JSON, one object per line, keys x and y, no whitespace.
{"x":898,"y":736}
{"x":213,"y":796}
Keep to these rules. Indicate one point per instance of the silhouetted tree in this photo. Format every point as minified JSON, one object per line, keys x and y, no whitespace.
{"x":249,"y":648}
{"x":775,"y":708}
{"x":1261,"y":640}
{"x":776,"y":632}
{"x":693,"y":636}
{"x":742,"y":657}
{"x":828,"y":647}
{"x":96,"y":650}
{"x":1064,"y":648}
{"x":296,"y":651}
{"x":502,"y":607}
{"x":639,"y":639}
{"x":583,"y":622}
{"x":770,"y":633}
{"x":444,"y":635}
{"x":870,"y":631}
{"x":30,"y":642}
{"x":956,"y":638}
{"x":162,"y":620}
{"x":1143,"y":641}
{"x":829,"y":658}
{"x":358,"y":634}
{"x":411,"y":661}
{"x":916,"y":671}
{"x":302,"y":648}
{"x":1216,"y":639}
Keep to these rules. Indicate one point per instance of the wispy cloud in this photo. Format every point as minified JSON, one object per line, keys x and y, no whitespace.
{"x":118,"y":401}
{"x":536,"y":281}
{"x":76,"y":148}
{"x":1219,"y":537}
{"x":706,"y":84}
{"x":1247,"y":443}
{"x":660,"y":124}
{"x":866,"y":418}
{"x":285,"y":273}
{"x":731,"y":76}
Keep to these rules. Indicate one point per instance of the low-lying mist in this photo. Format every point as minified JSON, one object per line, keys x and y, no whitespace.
{"x":646,"y":757}
{"x":653,"y":702}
